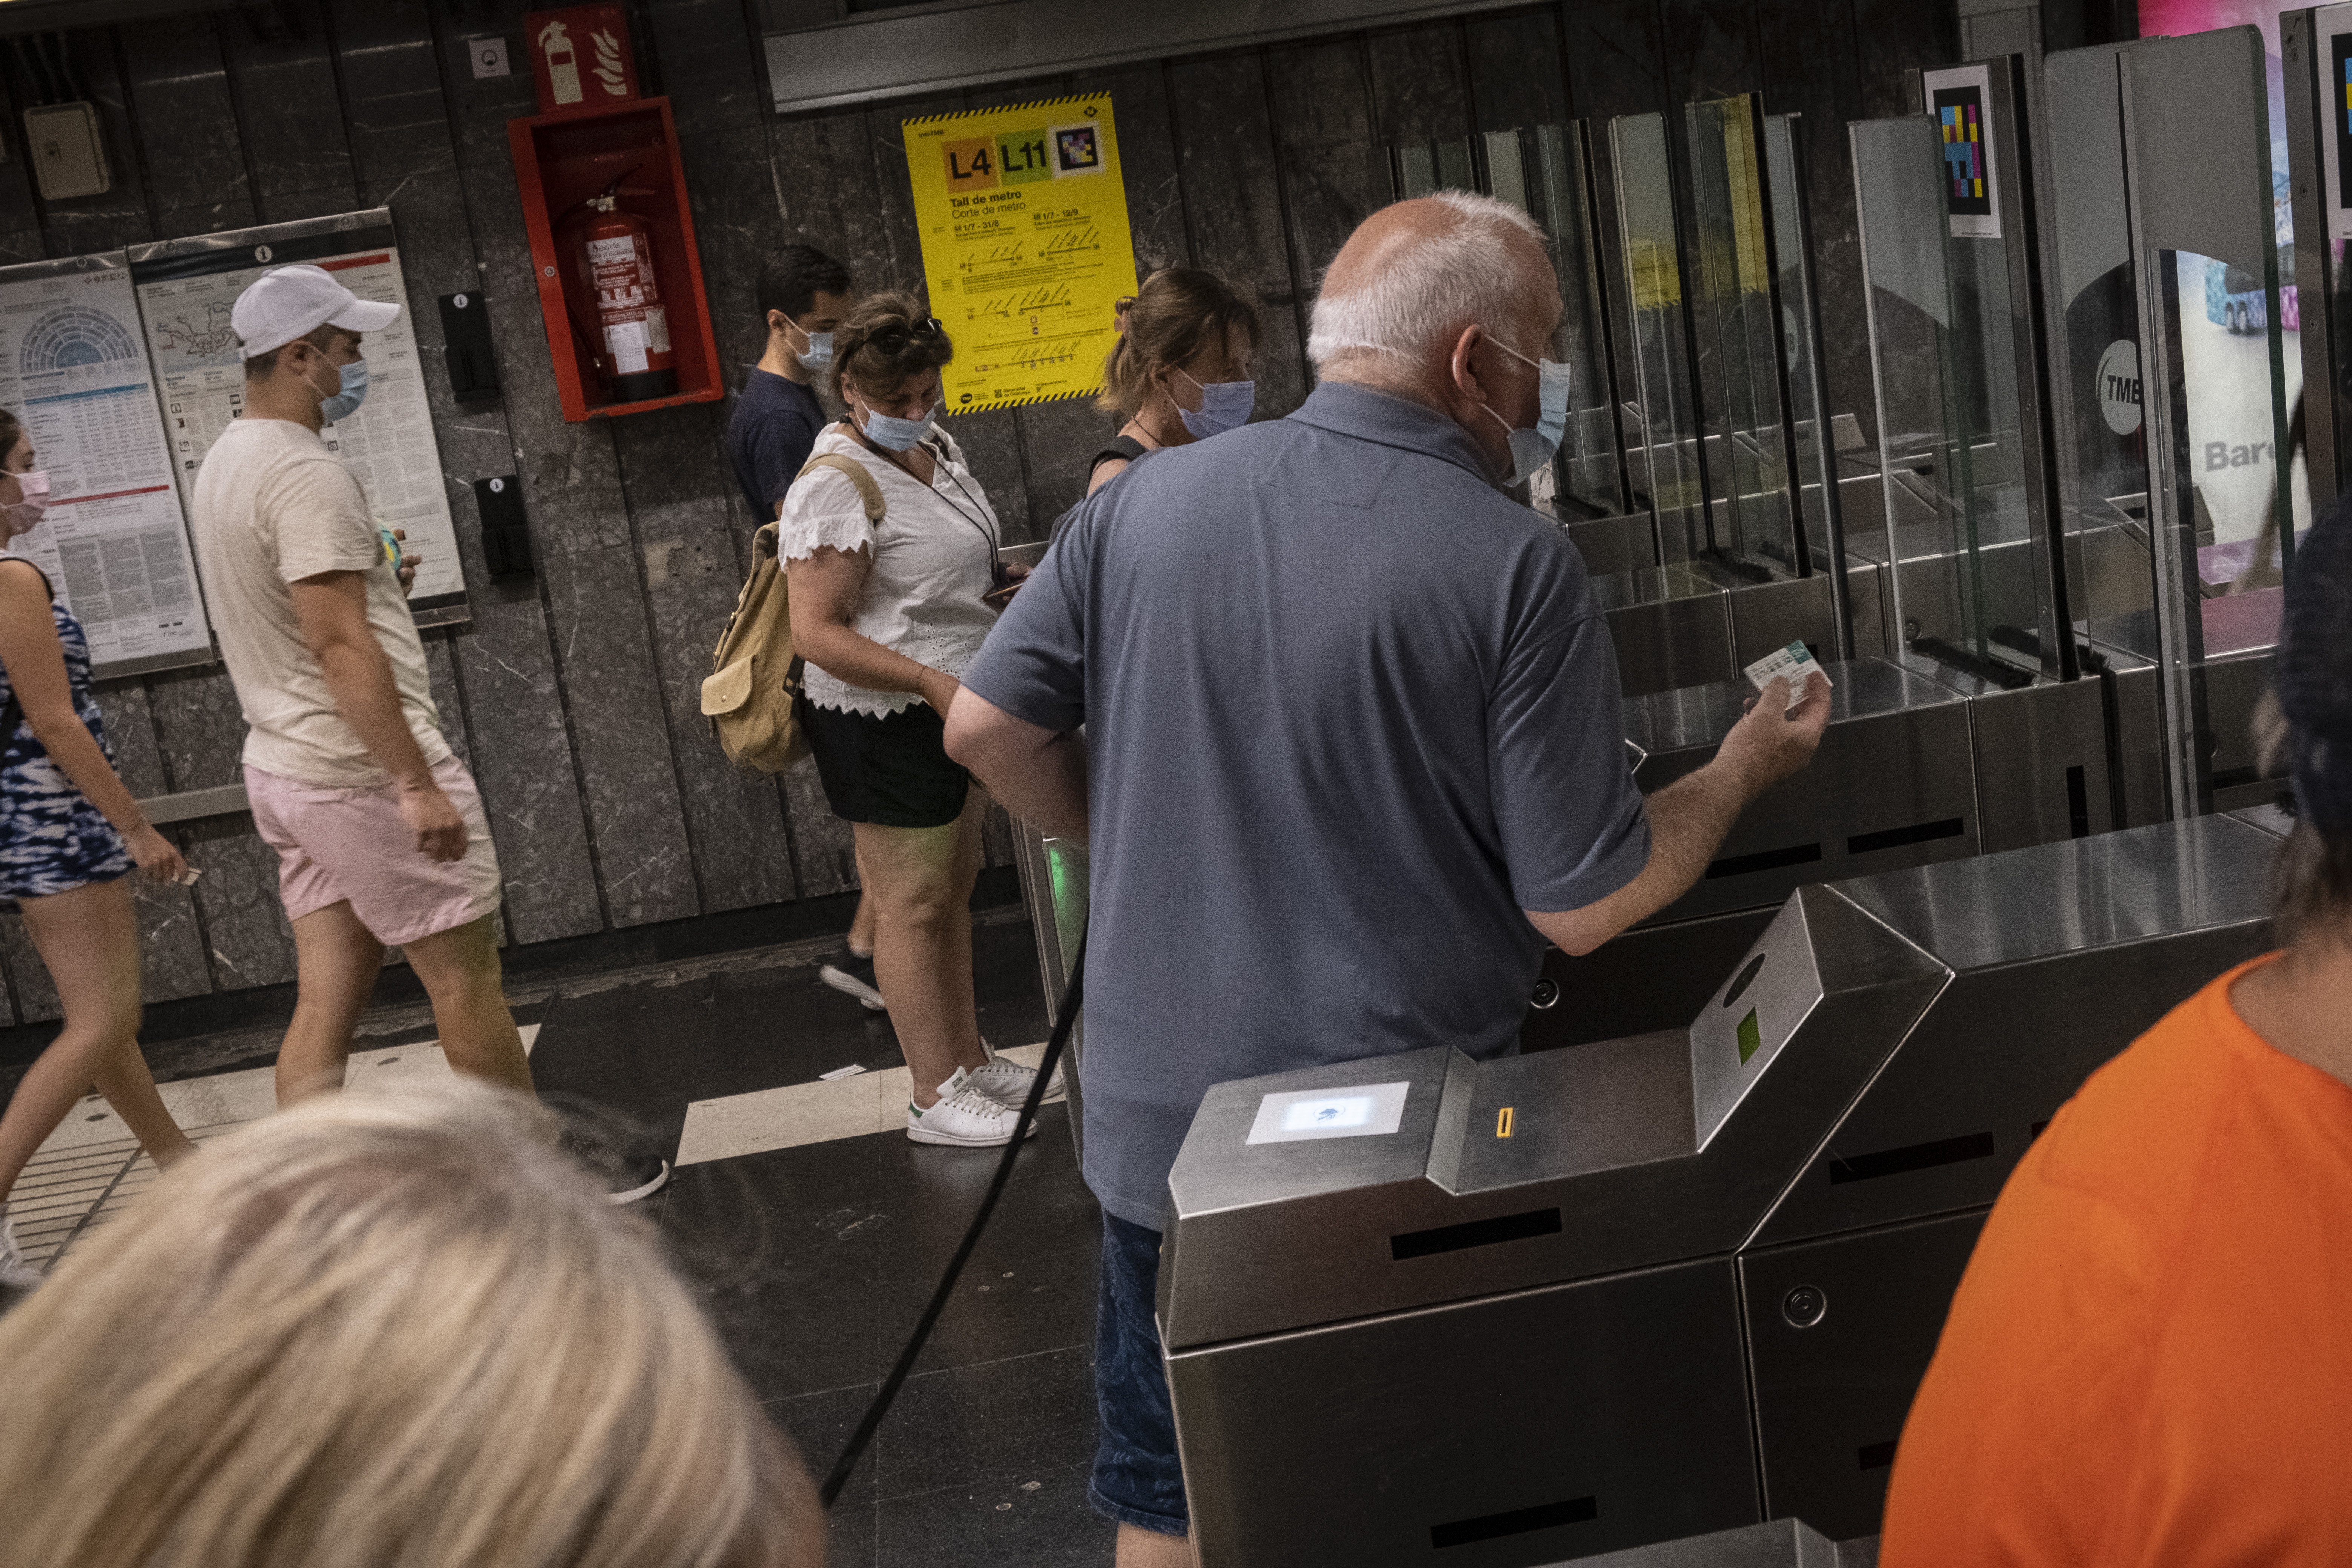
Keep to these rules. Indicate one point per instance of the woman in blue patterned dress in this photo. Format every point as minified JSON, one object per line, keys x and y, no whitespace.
{"x":70,"y":834}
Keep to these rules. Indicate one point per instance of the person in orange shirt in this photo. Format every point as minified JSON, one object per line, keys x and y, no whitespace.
{"x":2150,"y":1360}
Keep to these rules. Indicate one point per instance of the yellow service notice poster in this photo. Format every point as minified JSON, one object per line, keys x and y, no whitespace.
{"x":1025,"y":245}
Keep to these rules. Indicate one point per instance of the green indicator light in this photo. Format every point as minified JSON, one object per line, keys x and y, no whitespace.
{"x":1751,"y":1038}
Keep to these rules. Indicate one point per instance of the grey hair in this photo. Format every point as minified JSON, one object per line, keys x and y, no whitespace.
{"x":1429,"y":287}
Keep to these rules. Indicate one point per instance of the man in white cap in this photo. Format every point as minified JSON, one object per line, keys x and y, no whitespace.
{"x":380,"y":833}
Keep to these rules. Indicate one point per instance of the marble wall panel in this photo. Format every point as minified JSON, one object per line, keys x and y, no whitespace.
{"x":1059,"y":438}
{"x":480,"y":108}
{"x":820,"y":177}
{"x":244,"y":919}
{"x":997,"y":847}
{"x":392,"y":84}
{"x":10,"y":937}
{"x":198,"y":726}
{"x":1232,"y":191}
{"x":1146,"y":156}
{"x":596,"y":609}
{"x":35,"y":994}
{"x":734,"y":816}
{"x":1518,"y":74}
{"x":1616,"y":62}
{"x":693,"y":530}
{"x":1334,"y":170}
{"x":711,"y":68}
{"x":1892,"y":37}
{"x":502,"y":661}
{"x":168,"y":927}
{"x":200,"y":733}
{"x":1715,"y":53}
{"x":190,"y":136}
{"x":120,"y":215}
{"x":824,"y":848}
{"x":19,"y":210}
{"x":1420,"y":85}
{"x":325,"y":202}
{"x":441,"y":666}
{"x":736,"y":227}
{"x":291,"y":114}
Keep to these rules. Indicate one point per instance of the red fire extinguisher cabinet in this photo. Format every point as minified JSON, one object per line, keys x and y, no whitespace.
{"x":563,"y":163}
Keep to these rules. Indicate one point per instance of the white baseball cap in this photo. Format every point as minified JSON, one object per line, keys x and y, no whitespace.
{"x":288,"y":302}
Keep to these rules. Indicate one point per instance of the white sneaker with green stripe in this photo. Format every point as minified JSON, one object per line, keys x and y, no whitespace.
{"x":1007,"y":1082}
{"x":964,"y":1118}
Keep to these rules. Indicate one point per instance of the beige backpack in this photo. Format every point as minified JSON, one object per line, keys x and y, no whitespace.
{"x":755,"y":675}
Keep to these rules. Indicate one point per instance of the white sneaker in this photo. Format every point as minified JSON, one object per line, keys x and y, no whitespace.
{"x":16,"y":1273}
{"x":1007,"y":1083}
{"x":964,"y":1118}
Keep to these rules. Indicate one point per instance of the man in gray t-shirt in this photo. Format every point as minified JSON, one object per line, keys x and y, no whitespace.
{"x":1353,"y":746}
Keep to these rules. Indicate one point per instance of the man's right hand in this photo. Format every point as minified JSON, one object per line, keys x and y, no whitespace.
{"x":440,"y":831}
{"x":1770,"y":743}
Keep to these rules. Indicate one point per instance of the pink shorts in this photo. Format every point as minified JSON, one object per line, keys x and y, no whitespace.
{"x":337,"y":846}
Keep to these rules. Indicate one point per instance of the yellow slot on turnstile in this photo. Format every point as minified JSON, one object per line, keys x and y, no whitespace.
{"x":1502,"y":1123}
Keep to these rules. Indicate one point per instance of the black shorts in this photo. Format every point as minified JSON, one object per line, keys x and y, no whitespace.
{"x":892,"y":772}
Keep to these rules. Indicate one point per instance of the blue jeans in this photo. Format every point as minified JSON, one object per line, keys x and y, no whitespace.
{"x":1137,"y":1480}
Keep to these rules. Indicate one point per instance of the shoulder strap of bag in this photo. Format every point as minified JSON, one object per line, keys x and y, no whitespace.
{"x":867,"y":490}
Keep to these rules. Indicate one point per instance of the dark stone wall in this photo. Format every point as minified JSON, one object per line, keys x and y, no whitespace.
{"x":573,"y":695}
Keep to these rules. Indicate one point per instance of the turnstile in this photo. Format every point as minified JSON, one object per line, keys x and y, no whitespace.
{"x":1781,"y":1543}
{"x":1420,"y":1308}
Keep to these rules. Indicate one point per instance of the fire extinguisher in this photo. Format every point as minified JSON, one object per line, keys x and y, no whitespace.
{"x":618,"y":261}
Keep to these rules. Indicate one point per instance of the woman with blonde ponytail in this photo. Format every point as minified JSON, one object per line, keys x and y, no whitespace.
{"x":1180,"y":369}
{"x":394,"y":1330}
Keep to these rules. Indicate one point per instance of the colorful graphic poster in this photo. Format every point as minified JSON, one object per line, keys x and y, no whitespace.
{"x":115,"y":542}
{"x":186,"y":291}
{"x":1025,"y":245}
{"x":1956,"y":102}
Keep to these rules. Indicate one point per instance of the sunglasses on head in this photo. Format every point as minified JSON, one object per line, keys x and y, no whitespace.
{"x":894,"y":337}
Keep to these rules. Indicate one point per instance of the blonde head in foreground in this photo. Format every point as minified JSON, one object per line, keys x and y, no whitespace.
{"x":384,"y":1331}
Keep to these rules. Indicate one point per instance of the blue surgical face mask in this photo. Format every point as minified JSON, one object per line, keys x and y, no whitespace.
{"x":346,"y":402}
{"x":1224,"y":405}
{"x":1531,"y":449}
{"x":819,"y":352}
{"x":899,"y":434}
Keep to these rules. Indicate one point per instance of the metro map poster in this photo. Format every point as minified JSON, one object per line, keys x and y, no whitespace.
{"x":186,"y":291}
{"x":115,"y":542}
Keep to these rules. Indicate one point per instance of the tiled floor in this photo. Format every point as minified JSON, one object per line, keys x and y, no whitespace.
{"x":816,"y":1238}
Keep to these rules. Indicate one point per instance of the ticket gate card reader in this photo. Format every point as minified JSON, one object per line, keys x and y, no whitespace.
{"x":1590,"y":1299}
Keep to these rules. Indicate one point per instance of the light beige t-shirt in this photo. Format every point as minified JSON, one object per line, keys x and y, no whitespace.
{"x":272,"y":507}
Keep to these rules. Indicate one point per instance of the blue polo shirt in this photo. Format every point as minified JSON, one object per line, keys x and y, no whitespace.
{"x":1350,"y":711}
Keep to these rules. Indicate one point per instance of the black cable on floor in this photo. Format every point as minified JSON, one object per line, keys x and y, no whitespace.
{"x":1064,"y":1016}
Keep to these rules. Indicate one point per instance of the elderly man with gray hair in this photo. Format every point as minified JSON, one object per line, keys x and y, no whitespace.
{"x":1352,"y":746}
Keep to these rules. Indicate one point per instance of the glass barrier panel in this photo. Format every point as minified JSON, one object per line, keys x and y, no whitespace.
{"x":2208,"y":206}
{"x":1800,"y":327}
{"x":1663,"y":461}
{"x":1735,"y":321}
{"x":2102,"y":434}
{"x":1943,"y":363}
{"x":1421,"y":167}
{"x":1554,"y":167}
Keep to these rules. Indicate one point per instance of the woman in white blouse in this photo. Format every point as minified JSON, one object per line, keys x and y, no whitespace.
{"x":887,"y":615}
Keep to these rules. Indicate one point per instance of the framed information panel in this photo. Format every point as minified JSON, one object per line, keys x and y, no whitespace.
{"x":115,"y":542}
{"x":186,"y":289}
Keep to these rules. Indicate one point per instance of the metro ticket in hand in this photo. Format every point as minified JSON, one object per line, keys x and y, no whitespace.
{"x":1796,"y":662}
